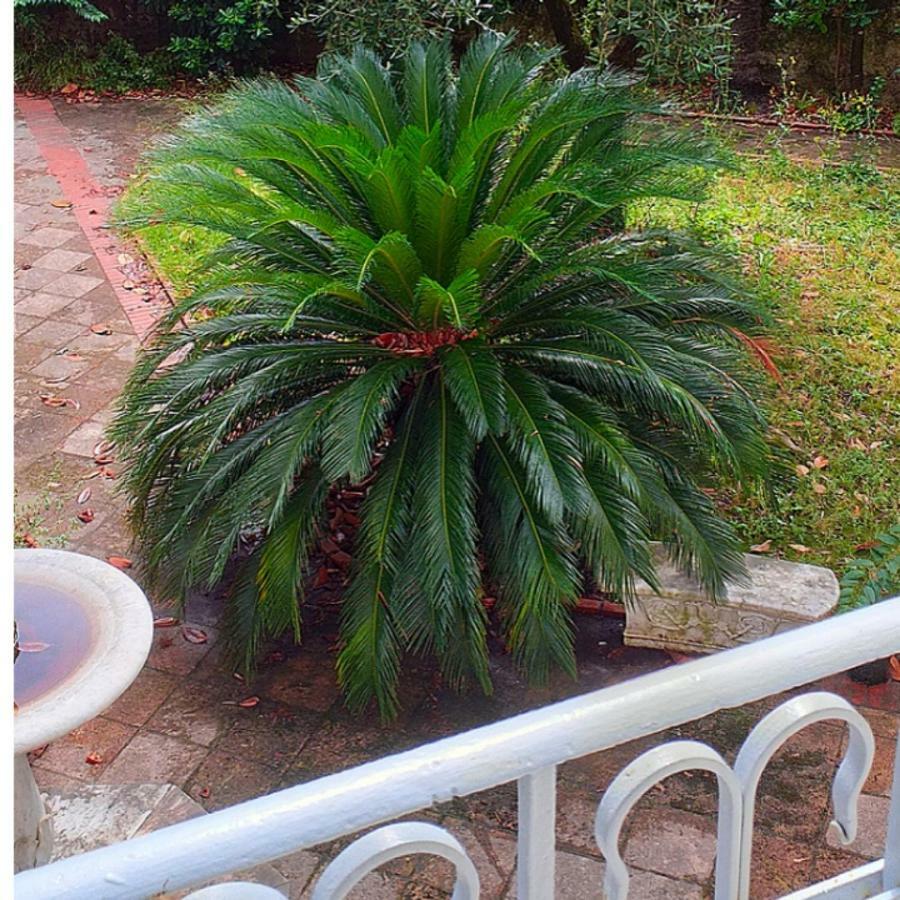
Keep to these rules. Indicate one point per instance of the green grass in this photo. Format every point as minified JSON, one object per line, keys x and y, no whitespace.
{"x":818,"y":244}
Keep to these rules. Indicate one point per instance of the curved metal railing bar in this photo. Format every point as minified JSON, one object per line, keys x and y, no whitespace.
{"x":781,"y":724}
{"x":369,"y":852}
{"x":648,"y":770}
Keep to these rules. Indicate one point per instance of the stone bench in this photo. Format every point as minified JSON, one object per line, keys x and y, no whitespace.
{"x":780,"y":595}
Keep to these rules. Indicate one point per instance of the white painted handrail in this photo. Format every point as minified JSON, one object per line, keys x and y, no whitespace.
{"x":529,"y":745}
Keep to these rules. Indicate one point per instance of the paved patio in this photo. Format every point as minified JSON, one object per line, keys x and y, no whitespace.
{"x":181,"y":722}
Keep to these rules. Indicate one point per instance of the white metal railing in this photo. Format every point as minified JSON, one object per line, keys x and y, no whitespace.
{"x":528,"y":748}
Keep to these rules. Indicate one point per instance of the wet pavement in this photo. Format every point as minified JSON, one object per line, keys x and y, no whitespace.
{"x":180,"y":723}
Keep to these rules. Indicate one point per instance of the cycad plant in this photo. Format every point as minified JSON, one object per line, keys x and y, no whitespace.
{"x":418,"y":289}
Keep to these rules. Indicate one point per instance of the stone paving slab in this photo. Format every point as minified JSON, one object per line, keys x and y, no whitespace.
{"x":179,"y":725}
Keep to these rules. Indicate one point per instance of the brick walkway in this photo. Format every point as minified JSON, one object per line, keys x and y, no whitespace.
{"x":180,"y":724}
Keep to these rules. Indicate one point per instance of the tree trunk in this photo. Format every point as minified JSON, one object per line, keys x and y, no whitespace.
{"x":747,"y":29}
{"x":857,"y":75}
{"x":567,"y":33}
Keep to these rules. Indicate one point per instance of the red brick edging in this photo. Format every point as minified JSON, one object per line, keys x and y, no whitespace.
{"x":90,"y":203}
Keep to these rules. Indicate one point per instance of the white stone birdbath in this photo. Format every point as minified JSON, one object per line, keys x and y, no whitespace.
{"x":84,"y":631}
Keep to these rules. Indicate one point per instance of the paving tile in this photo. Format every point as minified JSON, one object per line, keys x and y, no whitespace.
{"x":230,"y":779}
{"x":269,"y":734}
{"x":41,"y":304}
{"x":62,"y":260}
{"x":53,"y":333}
{"x":492,"y":853}
{"x":146,"y":694}
{"x":155,"y":758}
{"x":27,"y":356}
{"x":298,"y":868}
{"x":873,"y":813}
{"x":882,"y":772}
{"x":60,"y":367}
{"x":67,"y":754}
{"x":175,"y":806}
{"x":778,"y":867}
{"x":48,"y":237}
{"x":72,"y":285}
{"x":37,"y":433}
{"x":33,"y":278}
{"x":24,"y":323}
{"x":50,"y":782}
{"x":678,"y":845}
{"x":199,"y":713}
{"x":83,"y":439}
{"x":172,"y":653}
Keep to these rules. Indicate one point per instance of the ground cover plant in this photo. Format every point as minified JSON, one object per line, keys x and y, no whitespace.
{"x":420,"y":285}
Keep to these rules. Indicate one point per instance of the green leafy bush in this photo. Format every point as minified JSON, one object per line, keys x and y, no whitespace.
{"x":677,"y":41}
{"x":872,"y":578}
{"x":222,"y":35}
{"x":81,"y":8}
{"x":389,"y":26}
{"x":418,"y":293}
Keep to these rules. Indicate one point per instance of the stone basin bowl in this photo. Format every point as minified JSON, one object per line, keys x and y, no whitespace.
{"x":119,"y":629}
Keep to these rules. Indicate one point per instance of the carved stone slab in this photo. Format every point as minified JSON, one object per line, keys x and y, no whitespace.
{"x":780,"y":595}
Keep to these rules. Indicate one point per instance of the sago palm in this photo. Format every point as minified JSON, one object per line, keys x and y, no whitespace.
{"x":419,"y":289}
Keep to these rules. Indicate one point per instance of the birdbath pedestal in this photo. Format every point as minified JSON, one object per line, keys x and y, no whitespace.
{"x":84,"y":631}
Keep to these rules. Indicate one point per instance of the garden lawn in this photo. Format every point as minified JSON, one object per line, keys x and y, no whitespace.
{"x":820,"y":247}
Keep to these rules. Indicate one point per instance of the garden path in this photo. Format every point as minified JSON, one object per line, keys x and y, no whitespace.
{"x":180,"y":723}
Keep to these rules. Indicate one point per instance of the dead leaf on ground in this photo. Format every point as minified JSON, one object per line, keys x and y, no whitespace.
{"x":38,"y":752}
{"x":124,"y":259}
{"x":69,"y":88}
{"x":800,"y":548}
{"x":203,"y":792}
{"x":194,"y":635}
{"x":120,"y":562}
{"x":819,"y":488}
{"x":165,"y":622}
{"x":84,"y":496}
{"x":820,"y":462}
{"x":94,"y":759}
{"x":248,"y":702}
{"x":128,"y":284}
{"x":61,"y":203}
{"x":33,"y":646}
{"x":764,"y":547}
{"x":802,"y":470}
{"x":894,"y":667}
{"x":101,"y":328}
{"x":55,"y":402}
{"x":86,"y":515}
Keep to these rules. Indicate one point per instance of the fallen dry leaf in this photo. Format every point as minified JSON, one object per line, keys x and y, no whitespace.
{"x":38,"y":752}
{"x":865,"y":545}
{"x":69,"y":88}
{"x":120,"y":562}
{"x":33,"y":646}
{"x":84,"y":496}
{"x":55,"y":402}
{"x":102,"y":448}
{"x":29,"y":540}
{"x":124,"y":259}
{"x":86,"y":515}
{"x":203,"y":792}
{"x":802,"y":470}
{"x":194,"y":635}
{"x":894,"y":667}
{"x":101,"y":328}
{"x":764,"y":547}
{"x":61,"y":203}
{"x":165,"y":622}
{"x":800,"y":548}
{"x":128,"y":284}
{"x":248,"y":702}
{"x":818,"y":488}
{"x":94,"y":759}
{"x":820,"y":462}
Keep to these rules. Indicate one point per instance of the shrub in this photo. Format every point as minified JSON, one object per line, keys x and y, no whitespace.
{"x":677,"y":41}
{"x":418,"y":292}
{"x":874,"y":577}
{"x":389,"y":26}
